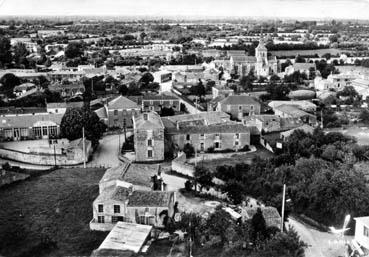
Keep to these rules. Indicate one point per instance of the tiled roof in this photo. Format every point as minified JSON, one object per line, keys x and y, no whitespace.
{"x":21,"y":110}
{"x":208,"y":118}
{"x":159,"y":97}
{"x":27,"y":121}
{"x":120,"y":194}
{"x":292,"y":110}
{"x":270,"y":214}
{"x":243,"y":59}
{"x":212,"y":129}
{"x":122,"y":102}
{"x":239,"y":100}
{"x":153,"y":121}
{"x":149,"y":199}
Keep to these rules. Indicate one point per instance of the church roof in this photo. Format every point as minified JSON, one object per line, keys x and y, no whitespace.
{"x":261,"y":45}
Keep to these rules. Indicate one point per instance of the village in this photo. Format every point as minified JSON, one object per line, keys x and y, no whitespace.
{"x":150,"y":139}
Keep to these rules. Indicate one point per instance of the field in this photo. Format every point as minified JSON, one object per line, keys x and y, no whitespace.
{"x":49,"y":215}
{"x":237,"y":158}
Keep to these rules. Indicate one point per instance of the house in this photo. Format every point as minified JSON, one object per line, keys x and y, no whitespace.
{"x":148,"y":137}
{"x":293,"y":111}
{"x":22,"y":126}
{"x":204,"y":118}
{"x":118,"y":112}
{"x":264,"y":123}
{"x":164,"y":78}
{"x":305,"y":68}
{"x":221,"y":90}
{"x":306,"y":128}
{"x":155,"y":103}
{"x":62,"y":107}
{"x":125,"y":195}
{"x":125,"y":239}
{"x":226,"y":136}
{"x":239,"y":106}
{"x":362,"y":232}
{"x":67,"y":90}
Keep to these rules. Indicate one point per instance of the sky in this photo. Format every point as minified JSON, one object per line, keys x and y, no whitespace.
{"x":346,"y":9}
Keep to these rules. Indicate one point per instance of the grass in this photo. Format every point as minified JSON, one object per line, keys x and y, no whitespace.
{"x":235,"y":159}
{"x":48,"y":215}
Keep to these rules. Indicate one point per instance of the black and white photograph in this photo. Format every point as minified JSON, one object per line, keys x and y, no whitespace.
{"x":196,"y":128}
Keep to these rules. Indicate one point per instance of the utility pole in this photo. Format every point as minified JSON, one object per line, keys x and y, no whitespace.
{"x":283,"y":203}
{"x":119,"y":144}
{"x":321,"y":119}
{"x":54,"y":155}
{"x":84,"y":147}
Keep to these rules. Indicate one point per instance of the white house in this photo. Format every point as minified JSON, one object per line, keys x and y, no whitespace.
{"x":362,"y":231}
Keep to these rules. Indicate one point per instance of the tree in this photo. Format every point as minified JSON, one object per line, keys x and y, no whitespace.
{"x":146,"y":79}
{"x":218,"y":223}
{"x":203,"y":176}
{"x":123,"y":89}
{"x":5,"y":53}
{"x":246,"y":83}
{"x":259,"y":229}
{"x":75,"y":119}
{"x":188,"y":150}
{"x":364,"y":116}
{"x":74,"y":49}
{"x":9,"y":81}
{"x":287,"y":244}
{"x":234,"y":190}
{"x":165,"y":111}
{"x":20,"y":54}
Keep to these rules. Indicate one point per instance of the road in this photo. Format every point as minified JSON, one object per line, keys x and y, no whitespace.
{"x":106,"y":153}
{"x":320,"y":244}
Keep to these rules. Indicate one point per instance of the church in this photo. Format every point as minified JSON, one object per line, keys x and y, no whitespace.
{"x":261,"y":64}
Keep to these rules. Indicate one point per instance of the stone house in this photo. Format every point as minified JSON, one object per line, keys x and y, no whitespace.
{"x":239,"y":106}
{"x":148,"y":137}
{"x":157,"y":102}
{"x":125,"y":196}
{"x":226,"y":136}
{"x":118,"y":113}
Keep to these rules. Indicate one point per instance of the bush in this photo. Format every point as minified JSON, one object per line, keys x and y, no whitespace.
{"x":211,"y":149}
{"x":189,"y":150}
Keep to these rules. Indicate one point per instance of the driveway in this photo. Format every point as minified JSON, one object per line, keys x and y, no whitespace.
{"x":320,"y":244}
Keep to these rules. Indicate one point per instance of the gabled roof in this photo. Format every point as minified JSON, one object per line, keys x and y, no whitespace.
{"x":27,"y":121}
{"x":153,"y":121}
{"x":211,"y":129}
{"x":122,"y":102}
{"x":149,"y":199}
{"x":239,"y":100}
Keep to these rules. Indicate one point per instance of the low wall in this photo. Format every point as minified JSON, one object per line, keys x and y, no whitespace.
{"x":94,"y":225}
{"x":39,"y":159}
{"x":180,"y":166}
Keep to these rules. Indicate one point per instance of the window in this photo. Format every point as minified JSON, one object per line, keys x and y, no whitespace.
{"x":217,"y":145}
{"x":202,"y":147}
{"x":44,"y":131}
{"x":115,"y":112}
{"x":53,"y":130}
{"x":115,"y":219}
{"x":100,"y":208}
{"x":188,"y":137}
{"x":240,"y":108}
{"x":236,"y":143}
{"x":149,"y":153}
{"x":145,"y":116}
{"x":237,"y":136}
{"x":149,"y":142}
{"x":116,"y":208}
{"x":251,"y":107}
{"x":202,"y":135}
{"x":100,"y":219}
{"x":366,"y":231}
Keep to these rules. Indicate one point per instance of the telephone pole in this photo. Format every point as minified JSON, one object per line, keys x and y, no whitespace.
{"x":84,"y":147}
{"x":283,"y":203}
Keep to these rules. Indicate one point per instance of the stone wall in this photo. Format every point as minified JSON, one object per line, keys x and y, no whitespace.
{"x":46,"y":159}
{"x":179,"y":165}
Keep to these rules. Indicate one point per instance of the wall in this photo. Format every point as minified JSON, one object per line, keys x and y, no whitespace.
{"x":227,"y":140}
{"x":141,"y":147}
{"x":118,"y":120}
{"x":43,"y":159}
{"x":359,"y":235}
{"x":179,"y":165}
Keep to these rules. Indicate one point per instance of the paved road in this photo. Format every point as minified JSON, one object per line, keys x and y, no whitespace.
{"x":320,"y":244}
{"x":107,"y":152}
